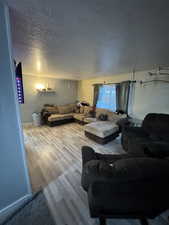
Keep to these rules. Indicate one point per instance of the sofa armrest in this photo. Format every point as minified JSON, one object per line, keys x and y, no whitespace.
{"x":45,"y":115}
{"x":87,"y":154}
{"x":110,"y":158}
{"x":135,"y":131}
{"x":123,"y":123}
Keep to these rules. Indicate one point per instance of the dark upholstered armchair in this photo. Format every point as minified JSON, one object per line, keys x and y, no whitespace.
{"x":120,"y":186}
{"x":152,"y":135}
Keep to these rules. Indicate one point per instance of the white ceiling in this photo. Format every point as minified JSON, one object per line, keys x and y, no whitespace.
{"x":79,"y":39}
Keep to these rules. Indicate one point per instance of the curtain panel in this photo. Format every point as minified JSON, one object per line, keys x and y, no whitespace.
{"x":96,"y":94}
{"x":122,"y":96}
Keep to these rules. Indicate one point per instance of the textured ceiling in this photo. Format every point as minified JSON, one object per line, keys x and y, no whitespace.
{"x":87,"y":38}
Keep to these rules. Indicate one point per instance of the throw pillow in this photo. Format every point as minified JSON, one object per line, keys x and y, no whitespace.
{"x":87,"y":110}
{"x":82,"y":109}
{"x":65,"y":109}
{"x":103,"y":117}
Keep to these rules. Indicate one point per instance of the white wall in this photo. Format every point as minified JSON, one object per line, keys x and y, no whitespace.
{"x":152,"y":97}
{"x":65,"y":92}
{"x":14,"y":185}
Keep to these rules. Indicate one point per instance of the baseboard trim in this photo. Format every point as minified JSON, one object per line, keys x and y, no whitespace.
{"x":10,"y":209}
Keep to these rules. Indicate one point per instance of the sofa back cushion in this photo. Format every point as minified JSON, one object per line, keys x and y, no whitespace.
{"x":72,"y":107}
{"x":157,"y":123}
{"x":142,"y":168}
{"x":114,"y":117}
{"x":51,"y":109}
{"x":69,"y":108}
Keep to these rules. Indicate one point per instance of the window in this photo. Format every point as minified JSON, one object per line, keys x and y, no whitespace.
{"x":107,"y":97}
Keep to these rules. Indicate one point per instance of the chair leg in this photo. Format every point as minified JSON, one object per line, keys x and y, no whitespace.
{"x":144,"y":221}
{"x":102,"y":221}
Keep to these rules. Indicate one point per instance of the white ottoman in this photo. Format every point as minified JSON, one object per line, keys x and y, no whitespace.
{"x":101,"y":131}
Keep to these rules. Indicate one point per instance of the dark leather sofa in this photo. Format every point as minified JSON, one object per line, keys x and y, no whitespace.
{"x":151,"y":139}
{"x":123,"y":186}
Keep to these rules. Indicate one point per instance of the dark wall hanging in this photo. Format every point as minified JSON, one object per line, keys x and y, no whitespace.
{"x":19,"y":83}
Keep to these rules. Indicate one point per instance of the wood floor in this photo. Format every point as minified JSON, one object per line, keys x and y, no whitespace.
{"x":54,"y":160}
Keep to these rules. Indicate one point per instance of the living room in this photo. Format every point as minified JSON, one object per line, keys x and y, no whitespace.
{"x":85,"y":107}
{"x":143,"y":99}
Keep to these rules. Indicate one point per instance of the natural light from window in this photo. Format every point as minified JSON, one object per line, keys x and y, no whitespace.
{"x":107,"y":97}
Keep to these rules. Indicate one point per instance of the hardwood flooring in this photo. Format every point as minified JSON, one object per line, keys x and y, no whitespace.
{"x":54,"y":160}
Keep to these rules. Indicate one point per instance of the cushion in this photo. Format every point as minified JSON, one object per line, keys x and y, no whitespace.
{"x":81,"y":109}
{"x":87,"y":110}
{"x":112,"y":116}
{"x":103,"y":117}
{"x":141,"y":168}
{"x":49,"y":105}
{"x":57,"y":117}
{"x":90,"y":119}
{"x":159,"y":136}
{"x":157,"y":149}
{"x":101,"y":111}
{"x":129,"y":169}
{"x":101,"y":128}
{"x":79,"y":116}
{"x":51,"y":109}
{"x":69,"y":108}
{"x":72,"y":106}
{"x":154,"y":137}
{"x":156,"y":123}
{"x":99,"y":168}
{"x":164,"y":136}
{"x":77,"y":109}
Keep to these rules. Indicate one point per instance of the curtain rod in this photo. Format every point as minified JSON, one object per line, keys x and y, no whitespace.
{"x":149,"y":81}
{"x":132,"y":81}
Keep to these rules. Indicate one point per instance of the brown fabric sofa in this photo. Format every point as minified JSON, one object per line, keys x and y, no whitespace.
{"x":151,"y":139}
{"x":55,"y":115}
{"x":125,"y":186}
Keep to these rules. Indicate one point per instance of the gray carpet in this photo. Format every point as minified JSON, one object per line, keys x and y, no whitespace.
{"x":35,"y":212}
